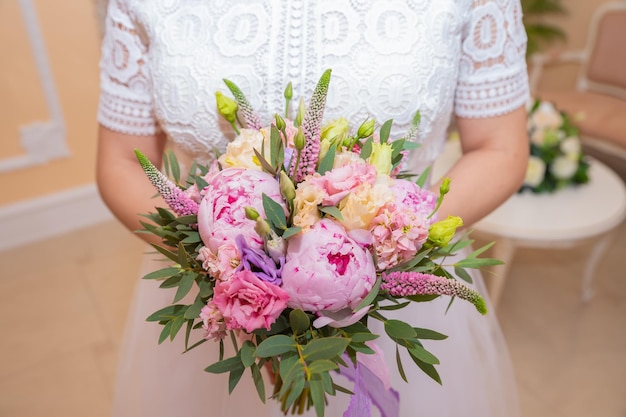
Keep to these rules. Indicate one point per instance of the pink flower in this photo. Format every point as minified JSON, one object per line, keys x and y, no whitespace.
{"x":340,"y":181}
{"x":212,"y":322}
{"x":326,"y":269}
{"x":247,"y":302}
{"x":401,"y":228}
{"x":221,"y":264}
{"x":221,"y":215}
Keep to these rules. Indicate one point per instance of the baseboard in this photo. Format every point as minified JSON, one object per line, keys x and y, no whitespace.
{"x":49,"y":216}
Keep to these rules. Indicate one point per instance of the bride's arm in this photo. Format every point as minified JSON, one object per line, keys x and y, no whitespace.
{"x":122,"y":183}
{"x":492,"y":168}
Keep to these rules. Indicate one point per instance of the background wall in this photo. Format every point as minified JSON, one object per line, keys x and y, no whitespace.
{"x":40,"y":200}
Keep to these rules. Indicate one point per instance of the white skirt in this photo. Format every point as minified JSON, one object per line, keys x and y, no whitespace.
{"x":159,"y":381}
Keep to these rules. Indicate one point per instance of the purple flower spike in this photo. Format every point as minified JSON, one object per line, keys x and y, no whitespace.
{"x":173,"y":196}
{"x":258,"y":262}
{"x":403,"y":284}
{"x":311,"y":127}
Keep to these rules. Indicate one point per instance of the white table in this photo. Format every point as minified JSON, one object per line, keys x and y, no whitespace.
{"x":554,"y":220}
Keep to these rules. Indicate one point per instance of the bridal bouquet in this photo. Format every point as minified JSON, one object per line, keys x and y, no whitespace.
{"x":293,"y":240}
{"x":556,"y":159}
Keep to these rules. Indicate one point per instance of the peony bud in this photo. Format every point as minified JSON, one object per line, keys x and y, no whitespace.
{"x":442,"y":232}
{"x":287,"y":189}
{"x":299,"y":141}
{"x":226,"y":106}
{"x":366,"y":129}
{"x":262,"y":227}
{"x":381,"y":158}
{"x":251,"y":213}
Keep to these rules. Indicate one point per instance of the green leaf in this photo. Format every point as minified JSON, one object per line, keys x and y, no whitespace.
{"x":421,"y":298}
{"x":234,"y":377}
{"x":463,"y":274}
{"x":193,"y":237}
{"x":366,"y":150}
{"x":266,"y":165}
{"x":480,"y":250}
{"x":385,"y":130}
{"x":296,"y":389}
{"x":320,"y":366}
{"x":174,"y":166}
{"x":428,"y":369}
{"x":399,"y":364}
{"x":299,"y":321}
{"x":326,"y":348}
{"x":362,"y":337}
{"x":165,"y":332}
{"x":333,"y":211}
{"x":247,"y":353}
{"x":429,"y":334}
{"x":177,"y":324}
{"x":206,"y":288}
{"x":201,"y":183}
{"x":162,"y":273}
{"x":423,"y":355}
{"x":326,"y":164}
{"x":257,"y":377}
{"x":182,"y":256}
{"x":370,"y":296}
{"x":190,"y":219}
{"x":168,"y":313}
{"x":397,"y":329}
{"x":186,"y":283}
{"x":275,"y":144}
{"x":168,"y":254}
{"x":275,"y":345}
{"x":292,"y":231}
{"x":226,"y":365}
{"x":477,"y":263}
{"x":317,"y":395}
{"x":275,"y":213}
{"x":292,"y":374}
{"x":421,"y":180}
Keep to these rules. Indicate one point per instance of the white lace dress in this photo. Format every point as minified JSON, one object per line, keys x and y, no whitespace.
{"x":162,"y":62}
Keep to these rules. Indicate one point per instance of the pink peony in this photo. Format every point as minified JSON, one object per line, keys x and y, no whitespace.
{"x":409,"y":194}
{"x":247,"y":302}
{"x":221,"y":215}
{"x":340,"y":181}
{"x":326,"y":269}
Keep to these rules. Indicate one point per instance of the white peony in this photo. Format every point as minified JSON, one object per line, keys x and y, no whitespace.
{"x":546,"y":117}
{"x":563,"y":167}
{"x":240,"y":152}
{"x":571,"y":146}
{"x":535,"y":171}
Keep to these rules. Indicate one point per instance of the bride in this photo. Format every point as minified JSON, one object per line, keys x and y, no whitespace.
{"x":162,"y":61}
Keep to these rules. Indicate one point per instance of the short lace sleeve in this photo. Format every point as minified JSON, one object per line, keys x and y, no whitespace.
{"x":125,"y":98}
{"x":492,"y":74}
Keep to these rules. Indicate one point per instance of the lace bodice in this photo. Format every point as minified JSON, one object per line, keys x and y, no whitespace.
{"x":163,"y":60}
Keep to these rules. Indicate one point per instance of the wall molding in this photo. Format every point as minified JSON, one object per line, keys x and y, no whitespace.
{"x":44,"y":140}
{"x":49,"y":216}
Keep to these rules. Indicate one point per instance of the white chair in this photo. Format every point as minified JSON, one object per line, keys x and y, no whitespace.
{"x":599,"y":96}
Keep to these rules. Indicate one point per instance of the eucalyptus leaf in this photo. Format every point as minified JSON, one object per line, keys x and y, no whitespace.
{"x":162,"y":273}
{"x":428,"y":369}
{"x":292,"y":231}
{"x":327,"y":162}
{"x":366,"y":150}
{"x":475,"y":263}
{"x":399,"y":364}
{"x":423,"y":355}
{"x":186,"y":283}
{"x":168,"y":254}
{"x":257,"y":377}
{"x":295,"y":391}
{"x":317,"y":395}
{"x":333,"y":211}
{"x":320,"y":366}
{"x":370,"y":296}
{"x":275,"y":345}
{"x":234,"y":377}
{"x":225,"y":365}
{"x":168,"y":313}
{"x":299,"y":321}
{"x":266,"y":165}
{"x":429,"y":334}
{"x":397,"y":329}
{"x":275,"y":213}
{"x":463,"y":274}
{"x":247,"y":353}
{"x":363,"y":337}
{"x":177,"y":324}
{"x":165,"y":332}
{"x":385,"y":131}
{"x":421,"y":180}
{"x":326,"y":348}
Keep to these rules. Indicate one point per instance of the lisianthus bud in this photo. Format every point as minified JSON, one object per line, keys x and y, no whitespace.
{"x":336,"y":130}
{"x":445,"y":186}
{"x":276,"y":247}
{"x":226,"y":106}
{"x":366,"y":129}
{"x":262,"y":227}
{"x":300,"y":113}
{"x":299,"y":141}
{"x":381,"y":158}
{"x":251,"y":213}
{"x":442,"y":232}
{"x":288,"y":94}
{"x":280,"y":122}
{"x":287,"y":188}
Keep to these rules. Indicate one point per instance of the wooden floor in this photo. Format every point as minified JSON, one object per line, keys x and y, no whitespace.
{"x":63,"y":304}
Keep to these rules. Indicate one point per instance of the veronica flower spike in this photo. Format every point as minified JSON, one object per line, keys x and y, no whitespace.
{"x":252,"y":119}
{"x":173,"y":195}
{"x":404,"y":284}
{"x":311,"y":126}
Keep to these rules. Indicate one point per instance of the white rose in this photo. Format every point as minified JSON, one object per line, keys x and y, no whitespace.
{"x":535,"y":171}
{"x":571,"y":146}
{"x":546,"y":117}
{"x":564,"y":168}
{"x":240,"y":152}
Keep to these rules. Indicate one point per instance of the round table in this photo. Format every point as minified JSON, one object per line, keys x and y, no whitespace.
{"x":553,"y":220}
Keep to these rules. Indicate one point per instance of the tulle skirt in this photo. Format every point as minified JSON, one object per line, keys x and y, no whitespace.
{"x":159,"y":380}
